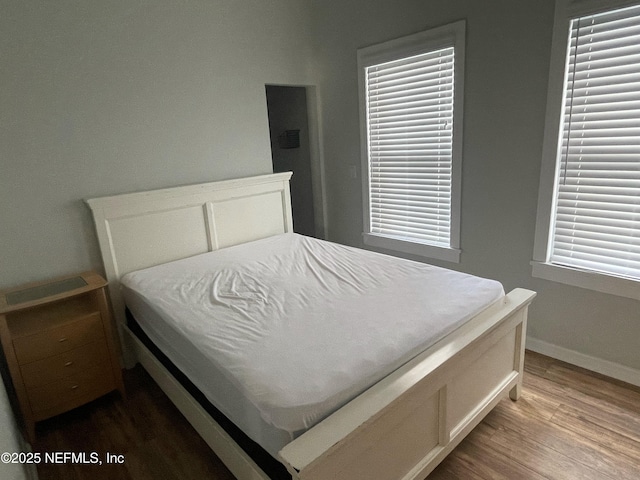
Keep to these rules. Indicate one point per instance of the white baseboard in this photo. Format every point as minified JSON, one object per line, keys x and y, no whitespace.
{"x":604,"y":367}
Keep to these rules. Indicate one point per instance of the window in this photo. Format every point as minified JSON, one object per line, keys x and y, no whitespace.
{"x":593,"y":233}
{"x":411,"y":118}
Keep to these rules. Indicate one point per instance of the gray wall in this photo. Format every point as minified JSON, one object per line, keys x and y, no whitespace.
{"x":100,"y":97}
{"x":507,"y":65}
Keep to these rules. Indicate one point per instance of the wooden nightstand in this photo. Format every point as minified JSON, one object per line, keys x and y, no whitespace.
{"x":59,"y":344}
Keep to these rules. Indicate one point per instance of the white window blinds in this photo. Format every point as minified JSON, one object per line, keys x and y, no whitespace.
{"x":409,"y":109}
{"x":597,"y":212}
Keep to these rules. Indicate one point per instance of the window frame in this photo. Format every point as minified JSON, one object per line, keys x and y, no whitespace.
{"x":565,"y":11}
{"x":451,"y":35}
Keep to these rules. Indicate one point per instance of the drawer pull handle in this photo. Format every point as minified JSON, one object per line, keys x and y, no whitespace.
{"x":63,"y":339}
{"x":74,"y":387}
{"x":68,"y":364}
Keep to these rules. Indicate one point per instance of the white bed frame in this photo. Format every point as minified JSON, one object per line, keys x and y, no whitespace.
{"x":401,"y":427}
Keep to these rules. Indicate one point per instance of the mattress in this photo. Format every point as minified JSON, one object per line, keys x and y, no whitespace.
{"x":280,"y":332}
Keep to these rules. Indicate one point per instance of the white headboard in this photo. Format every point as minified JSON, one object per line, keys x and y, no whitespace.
{"x":138,"y":230}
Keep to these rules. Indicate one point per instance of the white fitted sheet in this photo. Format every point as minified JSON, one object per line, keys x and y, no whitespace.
{"x":280,"y":332}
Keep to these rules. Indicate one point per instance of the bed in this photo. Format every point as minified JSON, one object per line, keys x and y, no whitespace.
{"x":406,"y":415}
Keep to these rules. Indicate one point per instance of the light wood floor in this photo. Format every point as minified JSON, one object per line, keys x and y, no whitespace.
{"x":569,"y":424}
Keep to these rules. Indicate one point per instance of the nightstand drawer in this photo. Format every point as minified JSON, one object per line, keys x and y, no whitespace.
{"x":70,"y":392}
{"x":58,"y":340}
{"x":66,"y":364}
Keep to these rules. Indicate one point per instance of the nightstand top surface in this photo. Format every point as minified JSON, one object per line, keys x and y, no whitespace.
{"x":40,"y":293}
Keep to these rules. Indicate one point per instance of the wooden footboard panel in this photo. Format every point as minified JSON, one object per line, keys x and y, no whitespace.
{"x":406,"y":424}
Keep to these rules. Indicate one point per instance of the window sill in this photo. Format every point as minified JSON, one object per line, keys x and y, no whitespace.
{"x":403,"y":246}
{"x":600,"y":282}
